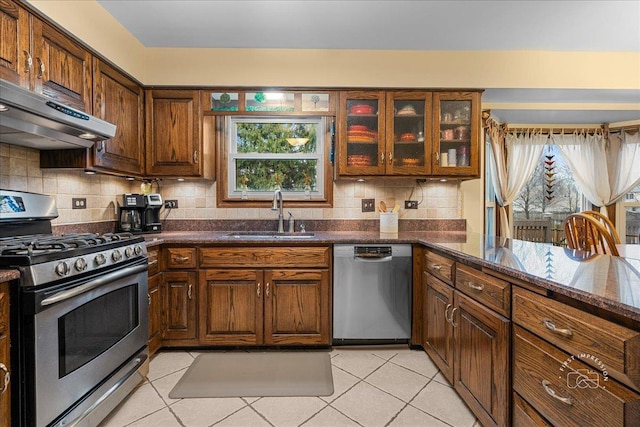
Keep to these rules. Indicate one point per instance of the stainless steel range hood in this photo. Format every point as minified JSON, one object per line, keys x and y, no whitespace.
{"x":32,"y":120}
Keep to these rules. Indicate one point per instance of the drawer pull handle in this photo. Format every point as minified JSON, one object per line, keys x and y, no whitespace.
{"x":566,"y":400}
{"x":258,"y":291}
{"x":154,"y":262}
{"x":28,"y":63}
{"x":190,"y":291}
{"x":181,"y":259}
{"x":436,"y":267}
{"x":453,"y":312}
{"x":7,"y":378}
{"x":550,"y":326}
{"x":476,"y":287}
{"x":266,"y":290}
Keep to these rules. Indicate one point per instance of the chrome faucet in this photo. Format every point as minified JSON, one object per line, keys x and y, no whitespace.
{"x":277,"y":206}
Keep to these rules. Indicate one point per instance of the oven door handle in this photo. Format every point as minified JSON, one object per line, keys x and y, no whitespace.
{"x":95,"y":283}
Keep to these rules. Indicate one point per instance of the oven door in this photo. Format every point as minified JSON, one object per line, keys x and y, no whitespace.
{"x":84,"y":334}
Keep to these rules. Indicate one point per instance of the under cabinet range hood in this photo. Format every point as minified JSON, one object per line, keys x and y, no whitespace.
{"x":32,"y":120}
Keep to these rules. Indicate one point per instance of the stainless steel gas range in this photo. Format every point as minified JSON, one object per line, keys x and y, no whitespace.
{"x":80,"y":315}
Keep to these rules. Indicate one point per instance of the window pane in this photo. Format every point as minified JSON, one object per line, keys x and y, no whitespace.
{"x":269,"y":101}
{"x":276,"y":138}
{"x":224,"y":101}
{"x":260,"y":174}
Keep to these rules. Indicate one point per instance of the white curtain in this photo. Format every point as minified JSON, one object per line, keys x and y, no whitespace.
{"x":512,"y":164}
{"x":604,"y":171}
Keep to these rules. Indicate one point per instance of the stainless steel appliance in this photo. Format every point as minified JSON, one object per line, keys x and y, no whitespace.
{"x":32,"y":120}
{"x":372,"y":293}
{"x":140,"y":213}
{"x":81,"y":312}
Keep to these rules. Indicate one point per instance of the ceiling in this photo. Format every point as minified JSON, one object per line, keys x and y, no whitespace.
{"x":580,"y":26}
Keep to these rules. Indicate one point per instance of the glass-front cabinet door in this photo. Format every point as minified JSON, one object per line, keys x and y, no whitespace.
{"x":361,"y":133}
{"x":408,"y":133}
{"x":456,"y":119}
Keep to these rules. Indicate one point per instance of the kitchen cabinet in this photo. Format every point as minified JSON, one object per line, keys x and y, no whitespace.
{"x":175,"y":144}
{"x":5,"y":360}
{"x":179,"y":296}
{"x":467,"y":340}
{"x":118,"y":100}
{"x":456,"y":134}
{"x":15,"y":49}
{"x":574,"y":367}
{"x":384,"y":133}
{"x":265,"y":296}
{"x":155,"y":300}
{"x":37,"y":56}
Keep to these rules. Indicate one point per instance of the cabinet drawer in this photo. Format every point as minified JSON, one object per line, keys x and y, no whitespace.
{"x":525,"y":416}
{"x":269,"y":257}
{"x":439,"y":266}
{"x":577,"y":332}
{"x":487,"y":290}
{"x":566,"y":391}
{"x":153,"y":256}
{"x":181,"y":257}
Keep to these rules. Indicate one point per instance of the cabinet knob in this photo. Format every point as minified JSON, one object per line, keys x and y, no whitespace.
{"x":436,"y":267}
{"x":551,"y":392}
{"x":28,"y":62}
{"x":552,"y":327}
{"x":7,"y":378}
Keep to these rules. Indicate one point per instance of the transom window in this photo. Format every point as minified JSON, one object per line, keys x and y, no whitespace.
{"x":269,"y":153}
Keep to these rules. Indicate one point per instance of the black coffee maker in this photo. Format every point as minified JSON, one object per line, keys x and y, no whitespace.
{"x":151,"y":219}
{"x":140,"y":213}
{"x":131,"y":213}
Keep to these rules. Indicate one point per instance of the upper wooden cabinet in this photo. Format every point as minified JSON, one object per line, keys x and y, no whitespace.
{"x":397,"y":133}
{"x":456,"y":134}
{"x":36,"y":56}
{"x":15,"y":49}
{"x":175,"y":143}
{"x":118,"y":100}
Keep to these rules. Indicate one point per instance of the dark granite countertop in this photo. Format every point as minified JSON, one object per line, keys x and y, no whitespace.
{"x":606,"y":282}
{"x":8,"y":275}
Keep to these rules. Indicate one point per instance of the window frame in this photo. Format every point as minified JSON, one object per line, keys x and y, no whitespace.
{"x":226,"y":197}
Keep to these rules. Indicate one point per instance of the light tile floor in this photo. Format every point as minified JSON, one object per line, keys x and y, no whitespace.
{"x":373,"y":386}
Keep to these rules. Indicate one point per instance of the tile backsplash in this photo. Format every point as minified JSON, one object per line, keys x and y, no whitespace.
{"x":20,"y":170}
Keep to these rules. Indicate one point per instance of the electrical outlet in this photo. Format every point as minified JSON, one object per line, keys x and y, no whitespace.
{"x":368,"y":205}
{"x":79,"y":203}
{"x":410,"y":204}
{"x":171,"y":204}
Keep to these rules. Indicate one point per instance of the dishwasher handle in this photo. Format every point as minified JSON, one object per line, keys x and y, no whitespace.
{"x":373,"y":258}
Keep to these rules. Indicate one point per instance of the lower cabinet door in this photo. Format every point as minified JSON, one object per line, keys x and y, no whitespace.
{"x":481,"y":367}
{"x":231,"y":307}
{"x":438,"y":332}
{"x":179,"y":306}
{"x":296,"y":307}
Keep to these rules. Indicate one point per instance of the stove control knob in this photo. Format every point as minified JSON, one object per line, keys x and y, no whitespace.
{"x":138,"y":250}
{"x":128,"y":251}
{"x":100,"y":259}
{"x":62,"y":269}
{"x":116,"y":255}
{"x":80,"y":264}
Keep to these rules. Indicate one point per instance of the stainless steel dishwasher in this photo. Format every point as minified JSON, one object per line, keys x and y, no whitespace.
{"x":371,"y":293}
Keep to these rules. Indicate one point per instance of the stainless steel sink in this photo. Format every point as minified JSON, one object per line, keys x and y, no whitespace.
{"x":265,"y":235}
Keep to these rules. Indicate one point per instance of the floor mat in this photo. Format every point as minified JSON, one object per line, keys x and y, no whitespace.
{"x":256,"y":375}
